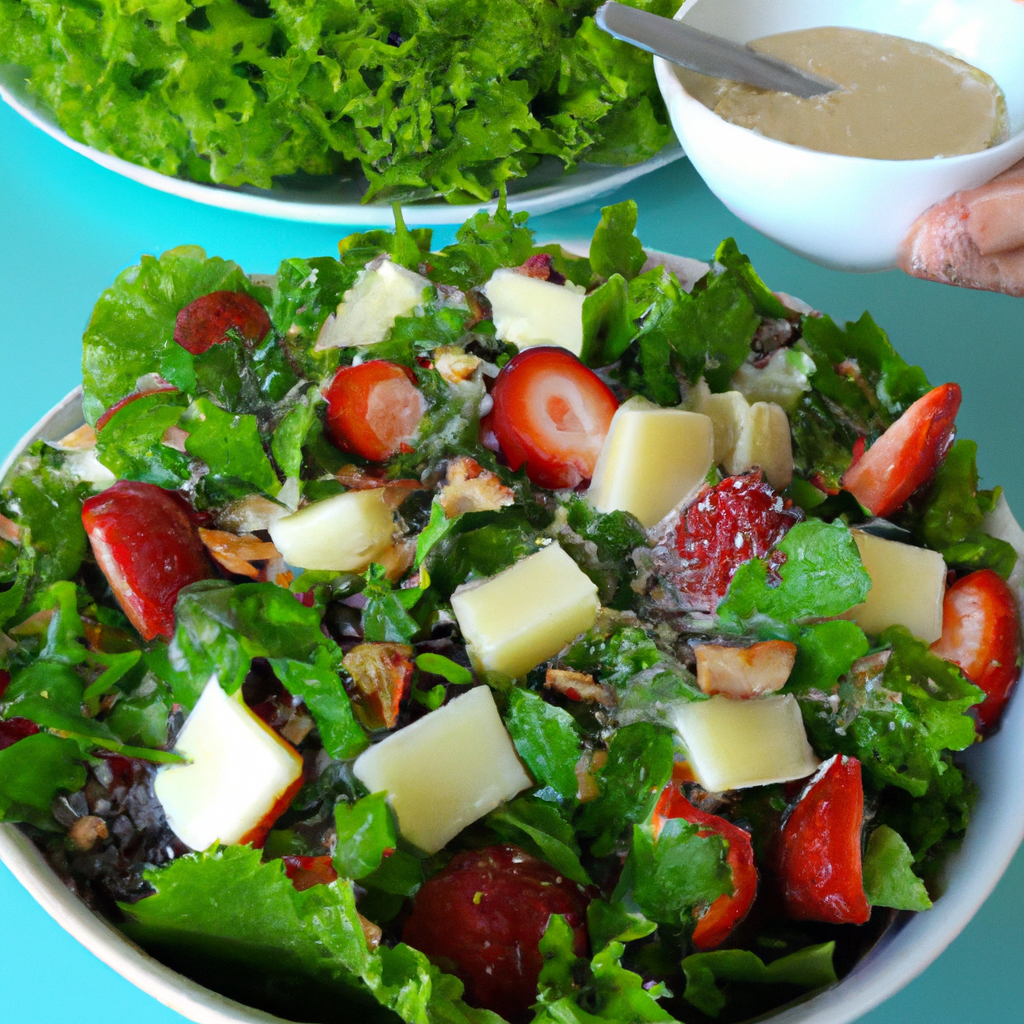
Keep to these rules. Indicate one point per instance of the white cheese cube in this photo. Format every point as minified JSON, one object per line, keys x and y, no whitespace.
{"x":238,"y":770}
{"x":514,"y":621}
{"x":733,"y":744}
{"x":446,"y":770}
{"x":908,"y":585}
{"x":728,"y":412}
{"x":369,"y":308}
{"x":783,"y":380}
{"x":529,"y":312}
{"x":344,"y":533}
{"x":653,"y":459}
{"x":765,"y":441}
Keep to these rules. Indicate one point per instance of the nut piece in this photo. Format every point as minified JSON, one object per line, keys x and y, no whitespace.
{"x":87,"y":832}
{"x":744,"y":671}
{"x":372,"y":932}
{"x":237,"y":553}
{"x":579,"y":686}
{"x":471,"y":488}
{"x":454,"y":364}
{"x":382,"y":673}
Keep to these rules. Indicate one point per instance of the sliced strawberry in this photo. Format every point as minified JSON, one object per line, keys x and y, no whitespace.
{"x":15,"y":729}
{"x":147,"y":545}
{"x":305,"y":872}
{"x":726,"y":912}
{"x":553,"y":414}
{"x":127,"y":400}
{"x":907,"y":454}
{"x":819,"y":856}
{"x":205,"y":322}
{"x":373,"y":409}
{"x":981,"y":633}
{"x":739,"y":519}
{"x":483,"y":916}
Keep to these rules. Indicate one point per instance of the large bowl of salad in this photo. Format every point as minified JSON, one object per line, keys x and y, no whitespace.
{"x":501,"y":633}
{"x":330,"y":111}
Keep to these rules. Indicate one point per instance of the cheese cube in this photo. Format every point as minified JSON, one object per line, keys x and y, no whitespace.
{"x":345,"y":533}
{"x":446,"y":770}
{"x":908,"y":585}
{"x":529,"y":312}
{"x":514,"y":621}
{"x":765,"y":441}
{"x":733,"y":744}
{"x":652,"y":460}
{"x":728,"y":412}
{"x":369,"y":308}
{"x":238,"y":770}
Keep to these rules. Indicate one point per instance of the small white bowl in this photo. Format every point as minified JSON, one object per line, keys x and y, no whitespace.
{"x":846,"y":212}
{"x":904,"y":951}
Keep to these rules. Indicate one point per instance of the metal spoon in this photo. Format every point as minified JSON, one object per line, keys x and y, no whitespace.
{"x":706,"y":53}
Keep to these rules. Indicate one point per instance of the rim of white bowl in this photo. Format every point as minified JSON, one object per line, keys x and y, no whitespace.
{"x":910,"y":945}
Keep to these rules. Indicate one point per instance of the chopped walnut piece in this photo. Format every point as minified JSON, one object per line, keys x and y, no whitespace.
{"x":471,"y":488}
{"x":87,"y":832}
{"x":744,"y":671}
{"x":297,"y":728}
{"x":397,"y":557}
{"x":454,"y":364}
{"x":249,"y":514}
{"x":579,"y":686}
{"x":586,"y":785}
{"x":10,"y":531}
{"x":371,"y":932}
{"x":356,"y":479}
{"x":174,"y":437}
{"x":236,"y":554}
{"x":83,"y":437}
{"x":382,"y":673}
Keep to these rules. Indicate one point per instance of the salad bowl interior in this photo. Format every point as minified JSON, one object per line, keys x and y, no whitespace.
{"x":846,"y":212}
{"x":909,"y":945}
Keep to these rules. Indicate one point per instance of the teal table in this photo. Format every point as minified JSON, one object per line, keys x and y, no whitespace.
{"x":67,"y":227}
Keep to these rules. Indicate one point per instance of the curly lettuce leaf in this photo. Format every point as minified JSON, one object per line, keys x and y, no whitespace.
{"x":889,"y":879}
{"x":131,"y":444}
{"x":540,"y":827}
{"x":32,"y":772}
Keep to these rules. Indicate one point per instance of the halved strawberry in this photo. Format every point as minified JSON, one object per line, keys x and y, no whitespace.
{"x":726,"y":912}
{"x":907,"y":454}
{"x":147,"y":545}
{"x":205,"y":322}
{"x":373,"y":409}
{"x":739,"y":519}
{"x":819,"y":854}
{"x":553,"y":414}
{"x":981,"y":633}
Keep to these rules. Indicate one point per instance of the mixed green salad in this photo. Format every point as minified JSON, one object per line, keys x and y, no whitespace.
{"x":423,"y":98}
{"x":498,"y":632}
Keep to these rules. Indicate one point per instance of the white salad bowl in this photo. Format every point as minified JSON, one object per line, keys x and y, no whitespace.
{"x":846,"y":212}
{"x":904,"y":951}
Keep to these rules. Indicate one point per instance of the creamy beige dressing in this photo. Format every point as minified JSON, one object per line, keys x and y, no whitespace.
{"x":901,"y":99}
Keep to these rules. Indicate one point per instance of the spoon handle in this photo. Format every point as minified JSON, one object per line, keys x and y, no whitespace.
{"x":706,"y":53}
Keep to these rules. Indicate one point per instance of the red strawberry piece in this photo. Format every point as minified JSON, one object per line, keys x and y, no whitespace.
{"x":374,"y":409}
{"x":552,"y":413}
{"x":981,"y":633}
{"x":907,"y":454}
{"x":483,"y":916}
{"x":726,"y":912}
{"x":819,"y":854}
{"x":145,"y":541}
{"x":206,"y":321}
{"x":14,"y":729}
{"x":305,"y":872}
{"x":739,"y":519}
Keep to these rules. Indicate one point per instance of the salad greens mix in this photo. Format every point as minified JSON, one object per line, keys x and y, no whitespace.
{"x":626,"y":890}
{"x":423,"y":98}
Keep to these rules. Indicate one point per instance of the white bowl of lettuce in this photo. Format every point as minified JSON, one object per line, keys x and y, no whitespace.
{"x":906,"y":947}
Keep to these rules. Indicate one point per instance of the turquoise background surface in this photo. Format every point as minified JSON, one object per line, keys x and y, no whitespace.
{"x":67,"y":227}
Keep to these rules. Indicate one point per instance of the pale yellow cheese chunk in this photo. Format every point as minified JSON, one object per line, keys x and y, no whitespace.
{"x":733,"y":744}
{"x":344,"y":533}
{"x":749,"y":436}
{"x":514,"y":621}
{"x":765,"y":441}
{"x":446,"y":770}
{"x":369,"y":308}
{"x":907,"y":587}
{"x":528,"y":311}
{"x":652,"y":460}
{"x":237,"y":770}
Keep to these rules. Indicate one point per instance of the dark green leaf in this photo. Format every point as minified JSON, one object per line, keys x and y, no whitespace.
{"x":32,"y":772}
{"x":385,"y":616}
{"x":547,"y":740}
{"x":131,"y":444}
{"x":539,"y":827}
{"x":366,"y":831}
{"x":614,"y":248}
{"x":607,"y":327}
{"x":439,"y":665}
